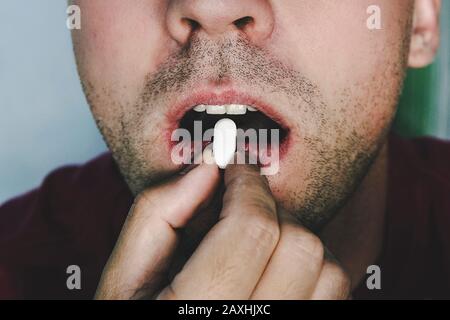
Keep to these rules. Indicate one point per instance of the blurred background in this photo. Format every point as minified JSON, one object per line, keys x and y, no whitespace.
{"x":425,"y":104}
{"x":45,"y":120}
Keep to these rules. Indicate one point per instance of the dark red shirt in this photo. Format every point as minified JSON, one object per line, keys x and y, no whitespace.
{"x":75,"y":217}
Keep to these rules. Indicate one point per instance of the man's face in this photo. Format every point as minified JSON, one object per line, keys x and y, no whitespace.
{"x":311,"y":66}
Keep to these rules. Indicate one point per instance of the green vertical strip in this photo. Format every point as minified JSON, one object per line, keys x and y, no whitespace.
{"x":425,"y":101}
{"x":443,"y":114}
{"x":414,"y":112}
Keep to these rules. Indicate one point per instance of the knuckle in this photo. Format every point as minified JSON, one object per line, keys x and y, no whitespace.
{"x":306,"y":243}
{"x":262,"y":229}
{"x":263,"y":205}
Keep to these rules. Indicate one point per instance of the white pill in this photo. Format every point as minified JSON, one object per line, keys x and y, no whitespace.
{"x":224,"y":145}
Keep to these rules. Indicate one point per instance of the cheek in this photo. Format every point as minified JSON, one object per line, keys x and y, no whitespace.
{"x":358,"y":70}
{"x":329,"y":40}
{"x":119,"y":43}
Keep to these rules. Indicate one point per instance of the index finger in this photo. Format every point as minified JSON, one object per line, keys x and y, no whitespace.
{"x":231,"y":258}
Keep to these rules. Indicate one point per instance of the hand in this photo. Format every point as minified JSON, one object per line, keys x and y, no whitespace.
{"x":144,"y":250}
{"x":253,"y":252}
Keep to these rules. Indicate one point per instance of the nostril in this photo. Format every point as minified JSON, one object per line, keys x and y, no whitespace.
{"x":243,"y":22}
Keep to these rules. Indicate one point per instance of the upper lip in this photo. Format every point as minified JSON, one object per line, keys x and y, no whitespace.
{"x":225,"y":97}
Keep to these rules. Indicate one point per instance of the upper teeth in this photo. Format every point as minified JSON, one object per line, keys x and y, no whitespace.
{"x":233,"y":109}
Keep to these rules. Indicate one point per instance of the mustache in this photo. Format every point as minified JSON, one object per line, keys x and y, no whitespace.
{"x":227,"y":59}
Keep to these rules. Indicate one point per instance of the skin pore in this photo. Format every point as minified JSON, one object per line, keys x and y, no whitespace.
{"x":333,"y":82}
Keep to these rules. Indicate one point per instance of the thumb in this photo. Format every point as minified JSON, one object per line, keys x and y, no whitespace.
{"x":149,"y":237}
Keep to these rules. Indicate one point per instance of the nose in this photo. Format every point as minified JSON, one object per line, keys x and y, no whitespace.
{"x":252,"y":18}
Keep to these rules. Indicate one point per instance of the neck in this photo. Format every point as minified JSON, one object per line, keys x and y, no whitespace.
{"x":355,"y":235}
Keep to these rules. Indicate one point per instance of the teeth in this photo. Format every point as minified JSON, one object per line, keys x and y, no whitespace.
{"x":236,"y":109}
{"x":200,"y":108}
{"x":232,"y":109}
{"x":216,"y":109}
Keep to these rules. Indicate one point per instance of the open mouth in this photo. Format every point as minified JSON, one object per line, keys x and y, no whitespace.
{"x":244,"y":116}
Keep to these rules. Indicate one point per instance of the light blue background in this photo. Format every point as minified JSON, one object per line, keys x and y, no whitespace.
{"x":44,"y":119}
